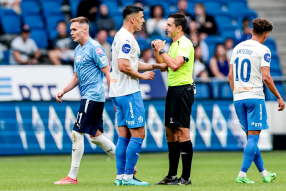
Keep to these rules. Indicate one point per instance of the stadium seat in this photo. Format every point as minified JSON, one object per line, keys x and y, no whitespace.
{"x":143,"y":44}
{"x":110,"y":40}
{"x":270,"y":43}
{"x":58,"y":1}
{"x":50,"y":7}
{"x":6,"y":57}
{"x":39,"y":35}
{"x":275,"y":68}
{"x":74,"y":8}
{"x":203,"y":91}
{"x":29,"y":6}
{"x":235,"y":5}
{"x":52,"y":22}
{"x":34,"y":20}
{"x":118,"y":21}
{"x":221,"y":90}
{"x":112,"y":6}
{"x":228,"y":31}
{"x":269,"y":96}
{"x":225,"y":91}
{"x":222,"y":19}
{"x":11,"y":22}
{"x":242,"y":14}
{"x":212,"y":6}
{"x":212,"y":41}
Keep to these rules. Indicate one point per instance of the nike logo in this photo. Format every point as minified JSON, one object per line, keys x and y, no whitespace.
{"x":73,"y":150}
{"x":137,"y":154}
{"x":109,"y":150}
{"x":127,"y":40}
{"x":183,"y":153}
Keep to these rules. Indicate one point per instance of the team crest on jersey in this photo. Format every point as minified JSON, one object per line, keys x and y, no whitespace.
{"x":83,"y":59}
{"x":267,"y":57}
{"x":99,"y":51}
{"x":126,"y":48}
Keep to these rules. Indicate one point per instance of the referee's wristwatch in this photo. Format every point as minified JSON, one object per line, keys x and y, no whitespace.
{"x":161,"y":51}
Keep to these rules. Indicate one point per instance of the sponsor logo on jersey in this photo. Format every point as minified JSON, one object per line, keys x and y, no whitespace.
{"x":113,"y":80}
{"x":171,"y":120}
{"x":84,"y":58}
{"x":238,"y":89}
{"x":267,"y":57}
{"x":103,"y":59}
{"x":130,"y":122}
{"x":256,"y":124}
{"x":99,"y":51}
{"x":126,"y":48}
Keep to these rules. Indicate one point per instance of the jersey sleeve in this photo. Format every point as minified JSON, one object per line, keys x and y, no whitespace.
{"x":185,"y":49}
{"x":100,"y":57}
{"x":265,"y":57}
{"x":125,"y":46}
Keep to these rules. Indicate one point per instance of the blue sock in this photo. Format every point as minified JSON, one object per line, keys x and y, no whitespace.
{"x":120,"y":154}
{"x":132,"y":154}
{"x":258,"y":160}
{"x":249,"y":152}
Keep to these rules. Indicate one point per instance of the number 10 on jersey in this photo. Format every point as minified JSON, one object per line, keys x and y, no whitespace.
{"x":248,"y":69}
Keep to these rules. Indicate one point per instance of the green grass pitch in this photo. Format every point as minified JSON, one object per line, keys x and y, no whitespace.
{"x":210,"y":171}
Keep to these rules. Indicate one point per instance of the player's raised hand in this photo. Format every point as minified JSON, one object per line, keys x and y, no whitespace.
{"x":59,"y":95}
{"x":148,"y":75}
{"x":281,"y":104}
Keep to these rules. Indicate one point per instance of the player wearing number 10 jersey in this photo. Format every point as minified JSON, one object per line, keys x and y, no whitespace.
{"x":249,"y":65}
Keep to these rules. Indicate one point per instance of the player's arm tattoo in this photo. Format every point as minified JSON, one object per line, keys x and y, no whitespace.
{"x":155,"y":67}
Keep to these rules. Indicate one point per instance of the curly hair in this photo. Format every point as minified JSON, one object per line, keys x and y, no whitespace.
{"x":261,"y":25}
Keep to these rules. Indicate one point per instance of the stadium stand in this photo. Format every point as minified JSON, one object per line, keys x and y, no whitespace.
{"x":43,"y":16}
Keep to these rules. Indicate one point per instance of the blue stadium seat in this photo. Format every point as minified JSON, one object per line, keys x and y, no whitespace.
{"x":203,"y":91}
{"x":222,"y":19}
{"x":235,"y":5}
{"x":11,"y":22}
{"x":221,"y":90}
{"x":269,"y":96}
{"x":124,"y":3}
{"x":228,"y":31}
{"x":225,"y":91}
{"x":212,"y":41}
{"x":110,"y":40}
{"x":52,"y":22}
{"x":34,"y":20}
{"x":212,"y":6}
{"x":58,"y":1}
{"x":242,"y":14}
{"x":275,"y":68}
{"x":6,"y":57}
{"x":29,"y":6}
{"x":118,"y":21}
{"x":112,"y":6}
{"x":143,"y":44}
{"x":270,"y":43}
{"x":51,"y":7}
{"x":74,"y":6}
{"x":39,"y":35}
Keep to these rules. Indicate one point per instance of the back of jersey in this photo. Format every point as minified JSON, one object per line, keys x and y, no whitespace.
{"x":247,"y":59}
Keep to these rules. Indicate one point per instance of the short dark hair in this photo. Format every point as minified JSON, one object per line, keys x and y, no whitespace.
{"x":130,"y":9}
{"x":261,"y":25}
{"x":179,"y":20}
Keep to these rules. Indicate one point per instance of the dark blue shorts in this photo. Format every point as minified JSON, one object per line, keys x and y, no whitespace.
{"x":89,"y":117}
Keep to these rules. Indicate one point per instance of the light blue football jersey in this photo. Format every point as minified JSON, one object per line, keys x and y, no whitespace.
{"x":88,"y":61}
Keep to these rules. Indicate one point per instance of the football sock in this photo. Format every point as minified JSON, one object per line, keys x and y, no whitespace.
{"x":132,"y":155}
{"x":174,"y":157}
{"x":104,"y":143}
{"x":120,"y":153}
{"x":258,"y":161}
{"x":77,"y":152}
{"x":249,"y":152}
{"x":264,"y":173}
{"x":187,"y":157}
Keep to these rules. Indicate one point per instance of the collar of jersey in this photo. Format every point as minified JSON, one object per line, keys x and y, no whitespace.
{"x":85,"y":43}
{"x":179,"y":39}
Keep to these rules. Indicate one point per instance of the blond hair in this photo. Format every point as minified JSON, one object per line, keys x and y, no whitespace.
{"x":81,"y":20}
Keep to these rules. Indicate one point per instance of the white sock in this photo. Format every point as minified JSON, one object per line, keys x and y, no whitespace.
{"x":119,"y":177}
{"x":105,"y":144}
{"x":128,"y":177}
{"x":242,"y":174}
{"x":264,"y":173}
{"x":77,"y":152}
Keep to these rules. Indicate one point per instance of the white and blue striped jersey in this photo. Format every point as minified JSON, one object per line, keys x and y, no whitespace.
{"x":247,"y":59}
{"x":89,"y":59}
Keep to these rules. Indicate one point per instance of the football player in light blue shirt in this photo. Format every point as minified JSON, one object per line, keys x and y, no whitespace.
{"x":89,"y":66}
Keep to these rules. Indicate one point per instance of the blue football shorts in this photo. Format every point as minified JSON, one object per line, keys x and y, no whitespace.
{"x":89,"y":117}
{"x":130,"y":110}
{"x":252,"y":114}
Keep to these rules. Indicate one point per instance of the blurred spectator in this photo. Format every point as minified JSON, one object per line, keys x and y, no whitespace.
{"x":246,"y":34}
{"x":147,"y":57}
{"x":182,"y":8}
{"x":193,"y":27}
{"x":239,"y":32}
{"x":24,"y":49}
{"x":196,"y":40}
{"x":104,"y":22}
{"x":139,"y":4}
{"x":206,"y":23}
{"x":101,"y":39}
{"x":88,"y":9}
{"x":200,"y":69}
{"x":11,"y":4}
{"x":143,"y":32}
{"x":63,"y":46}
{"x":156,"y":24}
{"x":1,"y":53}
{"x":219,"y":64}
{"x":228,"y":43}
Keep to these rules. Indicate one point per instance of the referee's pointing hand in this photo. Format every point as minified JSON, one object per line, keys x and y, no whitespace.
{"x":148,"y":75}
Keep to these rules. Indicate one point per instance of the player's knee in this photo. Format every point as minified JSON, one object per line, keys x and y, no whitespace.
{"x":76,"y":136}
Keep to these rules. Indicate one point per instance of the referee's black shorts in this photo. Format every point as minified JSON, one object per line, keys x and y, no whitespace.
{"x":178,"y":106}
